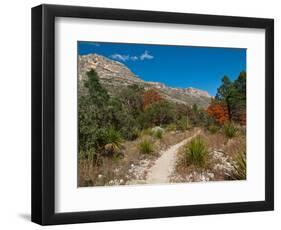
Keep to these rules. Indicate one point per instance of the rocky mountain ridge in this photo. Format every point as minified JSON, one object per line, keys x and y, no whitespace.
{"x":114,"y":74}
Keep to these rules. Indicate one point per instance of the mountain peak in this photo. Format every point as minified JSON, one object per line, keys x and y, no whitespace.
{"x":114,"y":75}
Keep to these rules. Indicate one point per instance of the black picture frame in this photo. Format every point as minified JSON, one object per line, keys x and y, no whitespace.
{"x":43,"y":114}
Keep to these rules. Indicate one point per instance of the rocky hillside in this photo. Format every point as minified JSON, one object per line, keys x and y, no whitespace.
{"x":114,"y":75}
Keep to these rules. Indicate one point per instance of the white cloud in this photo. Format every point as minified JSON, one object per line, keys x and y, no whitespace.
{"x":127,"y":57}
{"x":134,"y":58}
{"x":120,"y":57}
{"x":146,"y":55}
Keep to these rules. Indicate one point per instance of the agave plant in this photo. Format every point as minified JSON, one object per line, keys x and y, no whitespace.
{"x":113,"y":141}
{"x":196,"y":151}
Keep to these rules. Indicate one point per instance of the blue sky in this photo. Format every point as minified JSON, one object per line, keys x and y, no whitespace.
{"x":176,"y":66}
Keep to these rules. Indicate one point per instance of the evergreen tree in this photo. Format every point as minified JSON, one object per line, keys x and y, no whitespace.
{"x":239,"y":101}
{"x":91,"y":113}
{"x":225,"y":93}
{"x":233,"y":95}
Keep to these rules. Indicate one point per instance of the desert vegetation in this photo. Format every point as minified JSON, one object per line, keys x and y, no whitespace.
{"x":123,"y":133}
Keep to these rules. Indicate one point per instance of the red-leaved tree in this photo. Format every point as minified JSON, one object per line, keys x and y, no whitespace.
{"x":219,"y":112}
{"x":151,"y":96}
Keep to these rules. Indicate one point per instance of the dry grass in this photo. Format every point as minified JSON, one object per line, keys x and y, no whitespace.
{"x":228,"y":150}
{"x":215,"y":141}
{"x":116,"y":171}
{"x":221,"y":143}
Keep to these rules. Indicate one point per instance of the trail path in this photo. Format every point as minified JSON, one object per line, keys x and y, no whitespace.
{"x":164,"y":165}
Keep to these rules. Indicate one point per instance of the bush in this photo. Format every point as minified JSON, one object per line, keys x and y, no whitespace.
{"x":158,"y":114}
{"x":146,"y":147}
{"x":240,"y":166}
{"x":196,"y":151}
{"x":230,"y":130}
{"x":135,"y":134}
{"x":129,"y":131}
{"x":157,"y":132}
{"x":182,"y":124}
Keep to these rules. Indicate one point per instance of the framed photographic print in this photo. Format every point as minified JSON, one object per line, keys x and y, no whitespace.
{"x":141,"y":114}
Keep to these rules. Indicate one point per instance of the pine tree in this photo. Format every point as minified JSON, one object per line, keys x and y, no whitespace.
{"x":225,"y":94}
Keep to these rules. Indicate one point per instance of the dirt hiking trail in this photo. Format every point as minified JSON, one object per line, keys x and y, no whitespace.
{"x":164,"y":165}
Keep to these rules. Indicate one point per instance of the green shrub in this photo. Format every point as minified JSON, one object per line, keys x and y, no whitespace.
{"x":158,"y":134}
{"x":135,"y":134}
{"x":158,"y":114}
{"x":230,"y":130}
{"x":146,"y":147}
{"x":113,"y":137}
{"x":182,"y":124}
{"x":196,"y":151}
{"x":240,"y":166}
{"x":130,"y":133}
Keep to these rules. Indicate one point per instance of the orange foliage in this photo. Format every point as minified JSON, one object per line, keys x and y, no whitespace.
{"x":151,"y":96}
{"x":219,"y":112}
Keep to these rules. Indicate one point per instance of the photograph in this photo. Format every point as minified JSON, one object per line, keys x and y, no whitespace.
{"x":142,"y":114}
{"x":157,"y":114}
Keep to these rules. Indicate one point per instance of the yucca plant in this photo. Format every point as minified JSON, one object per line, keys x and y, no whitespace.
{"x":240,"y":166}
{"x":230,"y":130}
{"x":196,"y":151}
{"x":146,"y":146}
{"x":113,"y":141}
